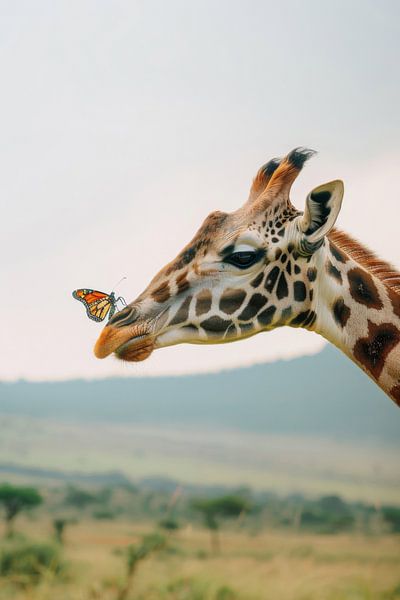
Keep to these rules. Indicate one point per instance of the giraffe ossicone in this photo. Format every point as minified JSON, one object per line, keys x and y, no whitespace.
{"x":268,"y":265}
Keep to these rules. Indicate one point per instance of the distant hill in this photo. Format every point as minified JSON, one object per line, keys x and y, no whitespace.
{"x":321,"y":394}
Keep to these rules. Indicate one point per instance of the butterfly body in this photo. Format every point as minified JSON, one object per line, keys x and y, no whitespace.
{"x":98,"y":304}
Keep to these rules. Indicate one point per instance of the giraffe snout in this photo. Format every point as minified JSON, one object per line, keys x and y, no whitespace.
{"x":124,"y":317}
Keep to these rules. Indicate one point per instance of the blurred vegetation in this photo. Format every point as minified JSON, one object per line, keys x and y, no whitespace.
{"x":27,"y":562}
{"x":213,"y":509}
{"x":163,"y":518}
{"x":16,"y":499}
{"x":151,"y":543}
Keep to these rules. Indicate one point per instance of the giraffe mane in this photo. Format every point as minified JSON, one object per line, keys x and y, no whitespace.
{"x":383,"y":270}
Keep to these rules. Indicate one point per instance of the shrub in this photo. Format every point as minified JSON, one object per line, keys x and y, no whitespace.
{"x":28,"y":562}
{"x":169,"y":524}
{"x":391,"y":514}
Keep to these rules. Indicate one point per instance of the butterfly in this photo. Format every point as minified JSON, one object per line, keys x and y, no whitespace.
{"x":98,"y":304}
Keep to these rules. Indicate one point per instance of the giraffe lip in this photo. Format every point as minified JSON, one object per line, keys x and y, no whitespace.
{"x":127,"y":343}
{"x":136,"y":349}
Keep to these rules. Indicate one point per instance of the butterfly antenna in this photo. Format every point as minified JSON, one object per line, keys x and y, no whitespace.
{"x":118,"y":282}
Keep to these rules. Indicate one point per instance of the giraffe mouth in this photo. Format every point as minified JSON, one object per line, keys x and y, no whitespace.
{"x":136,"y":349}
{"x":132,"y":344}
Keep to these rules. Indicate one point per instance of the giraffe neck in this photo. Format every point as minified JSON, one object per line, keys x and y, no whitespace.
{"x":357,"y":307}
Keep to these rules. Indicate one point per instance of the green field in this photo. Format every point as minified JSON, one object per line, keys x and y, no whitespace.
{"x":269,"y":566}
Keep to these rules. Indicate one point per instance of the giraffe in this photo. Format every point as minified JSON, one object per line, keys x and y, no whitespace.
{"x":268,"y":265}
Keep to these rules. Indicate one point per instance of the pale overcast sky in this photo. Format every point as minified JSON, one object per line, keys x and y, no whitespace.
{"x":124,"y":123}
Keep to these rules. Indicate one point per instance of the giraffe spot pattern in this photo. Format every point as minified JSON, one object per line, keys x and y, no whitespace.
{"x":286,"y":314}
{"x":266,"y":316}
{"x":338,"y":254}
{"x":304,"y":319}
{"x":371,"y":351}
{"x":363,"y":288}
{"x":282,"y":290}
{"x":246,"y":327}
{"x":231,"y":331}
{"x":182,"y":313}
{"x":203,"y":303}
{"x":257,"y":281}
{"x":300,"y":291}
{"x":182,"y":282}
{"x":311,"y":274}
{"x":256,"y":302}
{"x":341,"y":312}
{"x":231,"y":300}
{"x":271,"y":279}
{"x":162,"y":293}
{"x":333,"y":271}
{"x":215,"y":324}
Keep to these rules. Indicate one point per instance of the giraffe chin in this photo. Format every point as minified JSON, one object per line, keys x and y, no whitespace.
{"x":135,"y":350}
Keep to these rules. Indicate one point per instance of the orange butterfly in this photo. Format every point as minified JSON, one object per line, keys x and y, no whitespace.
{"x":98,"y":304}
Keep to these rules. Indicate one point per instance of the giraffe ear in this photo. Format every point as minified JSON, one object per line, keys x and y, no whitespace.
{"x":322,"y":208}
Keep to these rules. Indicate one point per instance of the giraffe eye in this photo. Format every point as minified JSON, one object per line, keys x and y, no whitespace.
{"x":244,"y":259}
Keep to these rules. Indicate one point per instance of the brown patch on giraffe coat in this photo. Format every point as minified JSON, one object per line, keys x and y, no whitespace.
{"x":271,"y":279}
{"x":337,"y":253}
{"x":215,"y":324}
{"x":256,"y":302}
{"x":304,"y":319}
{"x":363,"y":288}
{"x":341,"y":312}
{"x":203,"y":303}
{"x":395,"y":393}
{"x":395,"y":300}
{"x":231,"y":300}
{"x":311,"y":274}
{"x":265,"y":317}
{"x":371,"y":351}
{"x":183,"y":312}
{"x":333,"y":271}
{"x":257,"y":281}
{"x":201,"y":240}
{"x":282,"y":290}
{"x":182,"y":282}
{"x":162,"y":293}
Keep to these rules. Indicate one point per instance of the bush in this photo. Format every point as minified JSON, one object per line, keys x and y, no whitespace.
{"x":169,"y":524}
{"x":103,"y":514}
{"x":28,"y":562}
{"x":391,"y":514}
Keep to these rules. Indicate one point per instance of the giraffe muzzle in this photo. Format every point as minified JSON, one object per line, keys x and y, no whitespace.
{"x":131,"y":343}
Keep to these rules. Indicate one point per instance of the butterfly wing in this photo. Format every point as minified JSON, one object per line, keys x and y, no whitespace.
{"x":98,"y":304}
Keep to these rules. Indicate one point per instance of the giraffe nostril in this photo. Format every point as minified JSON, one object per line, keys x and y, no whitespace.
{"x":126,"y":316}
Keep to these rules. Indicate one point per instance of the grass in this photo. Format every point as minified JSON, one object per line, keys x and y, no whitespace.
{"x":269,"y":566}
{"x":281,"y":463}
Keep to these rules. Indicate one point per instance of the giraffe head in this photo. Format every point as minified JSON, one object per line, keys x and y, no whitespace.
{"x":243,"y":272}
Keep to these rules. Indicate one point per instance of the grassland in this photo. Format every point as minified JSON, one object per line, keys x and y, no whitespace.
{"x":281,"y":463}
{"x":273,"y":565}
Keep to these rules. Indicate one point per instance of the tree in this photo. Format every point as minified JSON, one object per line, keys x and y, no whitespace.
{"x":59,"y":525}
{"x":79,"y":498}
{"x":212,"y":509}
{"x":15,"y":499}
{"x":150,"y":543}
{"x":169,"y":524}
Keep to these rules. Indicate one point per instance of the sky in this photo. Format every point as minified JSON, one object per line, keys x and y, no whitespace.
{"x":123,"y":124}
